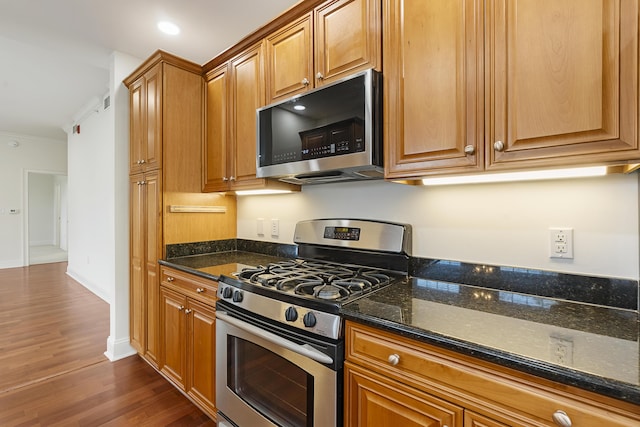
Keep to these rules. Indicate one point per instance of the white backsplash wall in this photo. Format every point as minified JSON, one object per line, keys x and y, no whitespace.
{"x":496,"y":224}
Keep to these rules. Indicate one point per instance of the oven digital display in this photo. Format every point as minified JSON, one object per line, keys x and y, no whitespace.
{"x":342,"y":233}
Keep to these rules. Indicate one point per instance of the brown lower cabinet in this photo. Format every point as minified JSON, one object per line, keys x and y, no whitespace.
{"x":395,"y":381}
{"x":187,"y":335}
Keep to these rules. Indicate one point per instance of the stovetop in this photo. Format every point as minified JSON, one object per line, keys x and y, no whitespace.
{"x":319,"y":280}
{"x":304,"y":294}
{"x":341,"y":260}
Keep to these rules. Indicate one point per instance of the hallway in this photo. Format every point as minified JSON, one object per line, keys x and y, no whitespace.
{"x":44,"y":254}
{"x":53,"y":371}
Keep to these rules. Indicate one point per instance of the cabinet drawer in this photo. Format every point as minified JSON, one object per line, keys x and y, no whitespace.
{"x":508,"y":396}
{"x":194,"y":286}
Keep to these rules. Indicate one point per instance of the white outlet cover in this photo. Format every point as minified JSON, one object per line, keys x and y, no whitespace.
{"x":561,"y":242}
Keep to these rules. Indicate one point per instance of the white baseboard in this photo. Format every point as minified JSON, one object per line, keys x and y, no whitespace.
{"x":12,"y":263}
{"x":119,"y":349}
{"x":87,"y":284}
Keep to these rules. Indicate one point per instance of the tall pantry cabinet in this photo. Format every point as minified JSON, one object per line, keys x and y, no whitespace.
{"x":165,"y":141}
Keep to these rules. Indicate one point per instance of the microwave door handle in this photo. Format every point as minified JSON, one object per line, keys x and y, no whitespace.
{"x":305,"y":350}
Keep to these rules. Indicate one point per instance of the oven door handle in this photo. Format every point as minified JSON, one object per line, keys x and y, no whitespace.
{"x":304,"y":350}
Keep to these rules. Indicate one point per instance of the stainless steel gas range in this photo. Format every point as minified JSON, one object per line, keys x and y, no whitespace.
{"x":279,"y":334}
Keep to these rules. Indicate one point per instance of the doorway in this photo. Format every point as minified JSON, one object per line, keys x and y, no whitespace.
{"x":46,"y":224}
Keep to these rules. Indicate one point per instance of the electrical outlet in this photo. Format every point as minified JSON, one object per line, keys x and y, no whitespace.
{"x":561,"y":350}
{"x":561,"y":243}
{"x":275,"y":227}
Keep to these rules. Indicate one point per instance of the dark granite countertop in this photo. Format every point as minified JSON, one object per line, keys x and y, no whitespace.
{"x":508,"y":327}
{"x":600,"y":345}
{"x":212,"y":266}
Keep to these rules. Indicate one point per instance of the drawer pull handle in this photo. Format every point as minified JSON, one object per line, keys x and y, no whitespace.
{"x":561,"y":419}
{"x":170,"y":279}
{"x":393,"y":359}
{"x":200,"y":290}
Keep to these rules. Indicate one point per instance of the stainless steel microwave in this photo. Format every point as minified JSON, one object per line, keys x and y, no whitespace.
{"x":332,"y":133}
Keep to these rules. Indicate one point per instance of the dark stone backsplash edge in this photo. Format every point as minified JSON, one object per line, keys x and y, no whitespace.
{"x":180,"y":250}
{"x":605,"y":291}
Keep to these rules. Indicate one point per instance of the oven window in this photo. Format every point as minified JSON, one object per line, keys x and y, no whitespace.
{"x":275,"y":387}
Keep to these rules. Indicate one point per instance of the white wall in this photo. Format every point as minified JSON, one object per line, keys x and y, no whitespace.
{"x":498,"y":224}
{"x":32,"y":154}
{"x":91,"y":245}
{"x":99,"y":204}
{"x":41,"y":209}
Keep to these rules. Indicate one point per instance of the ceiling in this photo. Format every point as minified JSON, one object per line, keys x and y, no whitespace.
{"x":54,"y":54}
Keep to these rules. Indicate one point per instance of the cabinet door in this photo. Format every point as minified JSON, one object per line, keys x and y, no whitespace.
{"x":145,"y":103}
{"x":216,"y":151}
{"x":174,"y":341}
{"x":137,"y":130}
{"x":346,"y":38}
{"x":373,"y":400}
{"x":289,"y":60}
{"x":202,"y":354}
{"x":137,"y":306}
{"x":563,"y":79}
{"x":471,"y":419}
{"x":153,"y":117}
{"x":247,"y":94}
{"x":433,"y":90}
{"x":152,"y":187}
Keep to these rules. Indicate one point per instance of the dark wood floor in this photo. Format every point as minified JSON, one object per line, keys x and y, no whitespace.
{"x":53,"y":371}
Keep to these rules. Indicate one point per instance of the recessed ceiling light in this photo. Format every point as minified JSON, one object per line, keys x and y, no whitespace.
{"x":168,"y":28}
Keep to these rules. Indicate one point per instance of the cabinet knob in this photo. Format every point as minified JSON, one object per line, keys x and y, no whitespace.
{"x":187,"y":311}
{"x":225,"y":179}
{"x":200,"y":290}
{"x":394,"y":359}
{"x":170,"y":279}
{"x":181,"y":308}
{"x":560,"y":418}
{"x":319,"y":76}
{"x":305,"y":81}
{"x":469,"y":149}
{"x":498,"y":145}
{"x":233,"y":178}
{"x":139,"y":182}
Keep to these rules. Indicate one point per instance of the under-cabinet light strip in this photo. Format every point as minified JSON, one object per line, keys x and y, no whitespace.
{"x":517,"y":176}
{"x":198,"y":209}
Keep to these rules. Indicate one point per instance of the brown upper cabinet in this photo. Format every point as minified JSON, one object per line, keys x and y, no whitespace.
{"x":234,"y":91}
{"x":145,"y":97}
{"x":534,"y":84}
{"x":333,"y":40}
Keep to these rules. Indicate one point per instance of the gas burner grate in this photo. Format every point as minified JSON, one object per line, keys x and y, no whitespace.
{"x":316,"y":279}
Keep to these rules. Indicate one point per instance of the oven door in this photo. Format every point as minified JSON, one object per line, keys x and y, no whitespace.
{"x":265,"y":379}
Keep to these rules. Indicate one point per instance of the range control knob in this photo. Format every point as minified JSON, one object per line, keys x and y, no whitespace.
{"x":237,"y":296}
{"x":309,"y":320}
{"x":227,"y":292}
{"x":291,"y":315}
